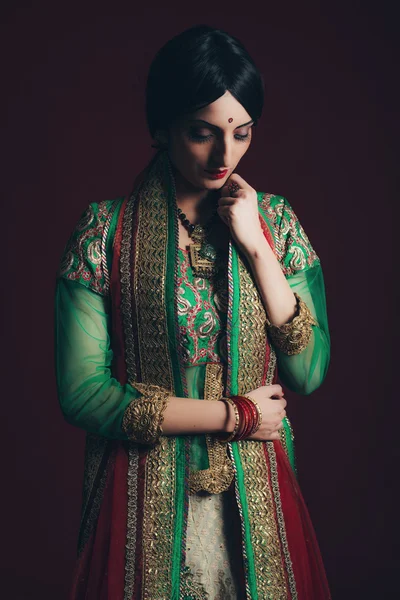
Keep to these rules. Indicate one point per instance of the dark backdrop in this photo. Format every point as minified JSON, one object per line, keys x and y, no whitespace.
{"x":74,"y":132}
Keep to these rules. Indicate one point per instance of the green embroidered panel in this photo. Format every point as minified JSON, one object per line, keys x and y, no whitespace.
{"x":82,"y":259}
{"x":293,"y":247}
{"x":202,"y":309}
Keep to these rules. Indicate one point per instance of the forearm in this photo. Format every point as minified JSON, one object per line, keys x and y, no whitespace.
{"x":190,"y":416}
{"x":276,"y":294}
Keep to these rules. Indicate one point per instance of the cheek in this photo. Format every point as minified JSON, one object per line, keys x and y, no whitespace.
{"x":242,"y":149}
{"x":188,"y":152}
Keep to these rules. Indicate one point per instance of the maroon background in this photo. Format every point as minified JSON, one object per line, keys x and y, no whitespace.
{"x":73,"y":111}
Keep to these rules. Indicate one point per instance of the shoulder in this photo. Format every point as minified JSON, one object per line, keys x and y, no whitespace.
{"x":84,"y":256}
{"x":292,"y":245}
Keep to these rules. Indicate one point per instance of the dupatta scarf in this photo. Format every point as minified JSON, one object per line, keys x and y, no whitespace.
{"x":135,"y":500}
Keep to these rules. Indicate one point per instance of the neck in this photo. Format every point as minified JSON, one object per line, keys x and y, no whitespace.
{"x":194,"y":201}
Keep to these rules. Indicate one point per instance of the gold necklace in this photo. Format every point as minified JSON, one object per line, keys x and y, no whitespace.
{"x":204,"y":258}
{"x":203,"y":255}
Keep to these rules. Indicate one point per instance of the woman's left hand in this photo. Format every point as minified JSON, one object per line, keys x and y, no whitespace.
{"x":240,"y":213}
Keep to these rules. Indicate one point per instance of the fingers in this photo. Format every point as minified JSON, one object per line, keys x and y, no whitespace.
{"x":280,"y":403}
{"x":275,"y":389}
{"x":234,"y":177}
{"x":226,"y":201}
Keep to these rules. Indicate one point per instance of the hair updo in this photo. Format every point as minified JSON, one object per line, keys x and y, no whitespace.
{"x":195,"y":68}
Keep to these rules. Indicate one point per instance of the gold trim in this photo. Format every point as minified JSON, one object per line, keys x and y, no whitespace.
{"x":293,"y":337}
{"x":131,"y":522}
{"x":158,"y":519}
{"x":219,"y":476}
{"x":270,"y":572}
{"x":143,"y":417}
{"x":126,"y":289}
{"x":95,"y":448}
{"x":253,"y":344}
{"x":252,"y":336}
{"x":152,"y":353}
{"x":281,"y":521}
{"x":150,"y":263}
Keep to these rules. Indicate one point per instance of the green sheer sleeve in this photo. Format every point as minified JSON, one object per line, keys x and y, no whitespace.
{"x":90,"y":398}
{"x":305,"y":371}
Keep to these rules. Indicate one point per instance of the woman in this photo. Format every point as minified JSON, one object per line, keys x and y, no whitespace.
{"x":194,"y":289}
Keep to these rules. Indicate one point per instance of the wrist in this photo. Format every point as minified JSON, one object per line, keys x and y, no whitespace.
{"x":230,"y":418}
{"x":257,"y":248}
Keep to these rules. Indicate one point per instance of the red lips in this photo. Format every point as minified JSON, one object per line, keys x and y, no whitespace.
{"x":216,"y":173}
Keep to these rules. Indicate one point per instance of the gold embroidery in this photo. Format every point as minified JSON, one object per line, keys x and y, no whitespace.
{"x":126,"y":290}
{"x":94,"y":251}
{"x":274,"y":215}
{"x":252,"y":344}
{"x":86,"y":219}
{"x":82,"y":260}
{"x":293,"y":247}
{"x":96,"y":448}
{"x":147,"y":338}
{"x":219,"y":476}
{"x":131,"y":522}
{"x":103,"y":247}
{"x":293,"y":337}
{"x":252,"y":336}
{"x":158,"y":520}
{"x":282,"y":438}
{"x":270,"y":574}
{"x":281,"y":520}
{"x":150,"y":262}
{"x":191,"y":589}
{"x":143,"y":417}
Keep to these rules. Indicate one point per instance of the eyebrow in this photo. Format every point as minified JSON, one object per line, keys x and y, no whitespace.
{"x":215,"y":126}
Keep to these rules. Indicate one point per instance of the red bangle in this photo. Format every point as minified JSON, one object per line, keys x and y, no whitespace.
{"x":249,"y":418}
{"x":249,"y":411}
{"x":254,"y":415}
{"x":246,"y":419}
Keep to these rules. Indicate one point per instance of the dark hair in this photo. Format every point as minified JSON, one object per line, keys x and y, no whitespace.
{"x":197,"y":67}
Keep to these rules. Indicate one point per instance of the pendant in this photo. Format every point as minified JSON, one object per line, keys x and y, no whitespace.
{"x":203,"y":255}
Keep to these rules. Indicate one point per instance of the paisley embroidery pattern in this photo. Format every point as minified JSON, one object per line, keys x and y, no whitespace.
{"x":294,"y":250}
{"x":81,"y":260}
{"x":202,"y":308}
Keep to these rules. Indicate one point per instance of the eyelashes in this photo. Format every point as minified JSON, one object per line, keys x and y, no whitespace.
{"x":195,"y":137}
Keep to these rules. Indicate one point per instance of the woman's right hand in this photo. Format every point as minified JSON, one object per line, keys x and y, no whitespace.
{"x":272,"y":404}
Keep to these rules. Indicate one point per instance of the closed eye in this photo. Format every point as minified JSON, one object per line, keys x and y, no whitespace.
{"x":196,"y":137}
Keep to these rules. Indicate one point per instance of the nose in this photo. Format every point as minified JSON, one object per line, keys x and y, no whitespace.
{"x":223,"y":153}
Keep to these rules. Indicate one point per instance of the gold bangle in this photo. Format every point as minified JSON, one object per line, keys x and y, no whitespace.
{"x":260,"y":415}
{"x":143,"y":417}
{"x":236,"y":427}
{"x":293,"y":337}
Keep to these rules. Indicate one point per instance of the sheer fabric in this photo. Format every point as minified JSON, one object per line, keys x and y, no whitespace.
{"x":304,"y":372}
{"x":92,"y":399}
{"x":89,"y":396}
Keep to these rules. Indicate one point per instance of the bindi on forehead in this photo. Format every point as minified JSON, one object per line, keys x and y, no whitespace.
{"x":216,"y":126}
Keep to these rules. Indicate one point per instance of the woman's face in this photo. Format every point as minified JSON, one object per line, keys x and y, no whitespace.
{"x":214,"y":137}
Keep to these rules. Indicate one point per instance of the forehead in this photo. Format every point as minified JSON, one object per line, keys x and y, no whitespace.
{"x":221,"y":111}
